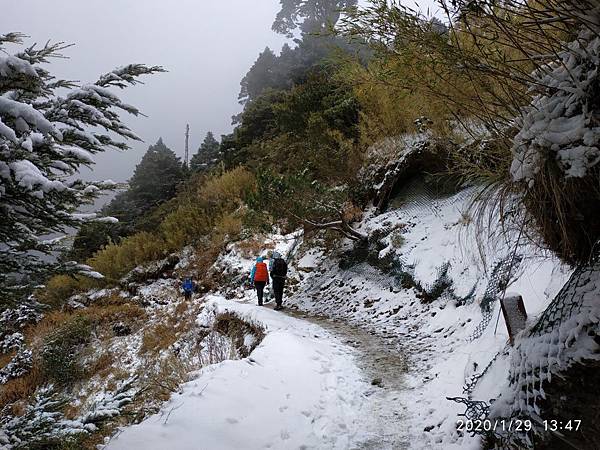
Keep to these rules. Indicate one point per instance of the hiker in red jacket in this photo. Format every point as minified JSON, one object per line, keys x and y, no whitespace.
{"x":259,"y":277}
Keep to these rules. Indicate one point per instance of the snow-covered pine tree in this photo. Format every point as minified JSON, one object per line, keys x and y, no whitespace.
{"x":45,"y":138}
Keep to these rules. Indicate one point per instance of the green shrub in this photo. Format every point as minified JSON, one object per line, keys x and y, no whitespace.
{"x":59,"y":351}
{"x":93,"y":237}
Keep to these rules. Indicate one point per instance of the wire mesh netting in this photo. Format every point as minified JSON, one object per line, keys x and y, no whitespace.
{"x":422,"y":196}
{"x":502,"y":273}
{"x":475,"y":409}
{"x":568,"y":301}
{"x":472,"y":381}
{"x":563,"y":335}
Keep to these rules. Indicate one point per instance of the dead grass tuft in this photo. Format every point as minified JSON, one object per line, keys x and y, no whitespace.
{"x":35,"y":335}
{"x":6,"y":358}
{"x":21,"y":388}
{"x":103,"y":365}
{"x":251,"y":247}
{"x":237,"y":329}
{"x":564,"y":212}
{"x":158,"y":337}
{"x":104,"y":317}
{"x":162,"y":381}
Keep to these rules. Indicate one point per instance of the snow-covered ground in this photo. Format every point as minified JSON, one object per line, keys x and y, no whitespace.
{"x":359,"y":360}
{"x":443,"y":355}
{"x":300,"y":388}
{"x":308,"y":384}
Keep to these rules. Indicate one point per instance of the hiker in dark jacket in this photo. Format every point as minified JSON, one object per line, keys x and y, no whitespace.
{"x":188,"y":288}
{"x":278,"y":268}
{"x":259,"y":277}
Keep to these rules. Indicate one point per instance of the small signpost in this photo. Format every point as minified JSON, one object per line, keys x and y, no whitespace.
{"x":515,"y":316}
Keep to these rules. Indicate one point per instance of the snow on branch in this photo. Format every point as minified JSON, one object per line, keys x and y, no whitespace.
{"x":12,"y":38}
{"x":127,"y":75}
{"x":45,"y":138}
{"x":562,"y":120}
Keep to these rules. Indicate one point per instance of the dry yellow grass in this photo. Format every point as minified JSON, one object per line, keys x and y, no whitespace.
{"x":249,"y":247}
{"x":103,"y":365}
{"x":6,"y":358}
{"x":157,"y":338}
{"x":21,"y":388}
{"x":101,"y":316}
{"x":35,"y":335}
{"x":115,"y":260}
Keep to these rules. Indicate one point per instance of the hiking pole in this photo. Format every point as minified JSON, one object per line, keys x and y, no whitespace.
{"x":498,"y":318}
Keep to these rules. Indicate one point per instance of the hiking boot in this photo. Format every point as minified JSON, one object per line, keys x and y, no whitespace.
{"x":278,"y":308}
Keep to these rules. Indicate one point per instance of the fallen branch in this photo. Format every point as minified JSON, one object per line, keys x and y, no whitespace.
{"x":338,"y":225}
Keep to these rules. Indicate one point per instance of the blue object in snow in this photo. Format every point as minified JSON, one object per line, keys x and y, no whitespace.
{"x":188,"y":285}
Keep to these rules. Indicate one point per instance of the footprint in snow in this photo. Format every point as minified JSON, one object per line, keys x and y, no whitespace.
{"x":231,"y":420}
{"x":283,"y":408}
{"x":285,"y":435}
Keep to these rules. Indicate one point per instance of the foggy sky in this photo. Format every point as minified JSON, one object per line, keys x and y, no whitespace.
{"x":207,"y":46}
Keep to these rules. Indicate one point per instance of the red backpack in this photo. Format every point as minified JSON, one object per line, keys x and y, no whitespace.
{"x":261,"y":273}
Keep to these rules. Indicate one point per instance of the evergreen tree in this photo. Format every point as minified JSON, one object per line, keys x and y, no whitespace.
{"x":155,"y":178}
{"x":44,"y":139}
{"x":208,"y":154}
{"x":91,"y":238}
{"x":259,"y":77}
{"x":309,"y":15}
{"x":292,"y":66}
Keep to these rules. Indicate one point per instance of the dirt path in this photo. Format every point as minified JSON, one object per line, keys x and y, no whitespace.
{"x":384,"y":365}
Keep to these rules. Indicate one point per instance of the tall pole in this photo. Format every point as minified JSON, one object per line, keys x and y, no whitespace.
{"x":187,"y":144}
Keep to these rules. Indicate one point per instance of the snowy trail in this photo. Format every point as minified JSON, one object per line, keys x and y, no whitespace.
{"x":382,"y":361}
{"x":307,"y":386}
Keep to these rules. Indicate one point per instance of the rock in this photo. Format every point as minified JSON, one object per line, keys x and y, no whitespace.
{"x":73,"y":303}
{"x":147,"y":272}
{"x":377,"y":382}
{"x":121,"y":329}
